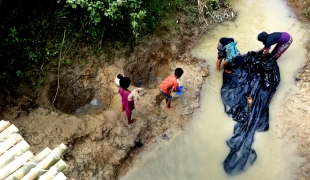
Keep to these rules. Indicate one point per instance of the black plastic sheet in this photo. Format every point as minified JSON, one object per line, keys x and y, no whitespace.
{"x":256,"y":80}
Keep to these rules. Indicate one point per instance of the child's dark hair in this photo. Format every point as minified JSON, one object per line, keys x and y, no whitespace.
{"x":178,"y":72}
{"x":120,"y":76}
{"x":124,"y":82}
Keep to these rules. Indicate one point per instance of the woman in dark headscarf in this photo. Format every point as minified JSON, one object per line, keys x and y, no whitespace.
{"x":224,"y":43}
{"x":282,"y":39}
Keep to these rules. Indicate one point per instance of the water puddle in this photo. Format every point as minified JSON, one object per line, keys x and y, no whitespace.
{"x":92,"y":108}
{"x":199,"y":152}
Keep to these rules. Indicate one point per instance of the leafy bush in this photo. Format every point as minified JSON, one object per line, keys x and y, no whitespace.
{"x":306,"y":12}
{"x":31,"y":31}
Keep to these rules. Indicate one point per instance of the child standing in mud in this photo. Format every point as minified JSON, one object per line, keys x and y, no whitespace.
{"x":127,"y":98}
{"x":169,"y":85}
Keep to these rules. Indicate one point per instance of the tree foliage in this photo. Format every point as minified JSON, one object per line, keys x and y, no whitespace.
{"x":113,"y":10}
{"x":31,"y":31}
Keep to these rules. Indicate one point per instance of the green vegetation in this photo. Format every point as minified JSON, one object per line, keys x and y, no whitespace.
{"x":307,"y":12}
{"x":32,"y":31}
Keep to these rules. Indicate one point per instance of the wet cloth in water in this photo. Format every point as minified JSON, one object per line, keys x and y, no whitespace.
{"x":246,"y":94}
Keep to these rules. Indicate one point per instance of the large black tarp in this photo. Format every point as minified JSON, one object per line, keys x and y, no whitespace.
{"x":258,"y":79}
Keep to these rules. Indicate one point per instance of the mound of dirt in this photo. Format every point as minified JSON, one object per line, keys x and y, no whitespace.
{"x":103,"y":142}
{"x":299,"y":7}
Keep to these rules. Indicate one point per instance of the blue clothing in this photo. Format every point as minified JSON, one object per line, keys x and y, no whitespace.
{"x":223,"y":42}
{"x":231,"y":51}
{"x":166,"y":96}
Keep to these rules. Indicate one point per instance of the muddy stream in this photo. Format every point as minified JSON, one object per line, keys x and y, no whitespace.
{"x":199,"y":152}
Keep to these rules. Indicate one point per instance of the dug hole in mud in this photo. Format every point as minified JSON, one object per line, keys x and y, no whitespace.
{"x":100,"y":139}
{"x":102,"y":145}
{"x":88,"y":117}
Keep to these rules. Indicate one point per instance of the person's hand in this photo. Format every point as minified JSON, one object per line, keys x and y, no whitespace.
{"x":228,"y":71}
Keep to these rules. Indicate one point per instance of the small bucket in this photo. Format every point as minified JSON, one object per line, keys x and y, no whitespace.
{"x":180,"y":92}
{"x":180,"y":88}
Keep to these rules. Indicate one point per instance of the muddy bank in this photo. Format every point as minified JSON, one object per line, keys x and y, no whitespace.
{"x":102,"y":141}
{"x":299,"y":7}
{"x":84,"y":111}
{"x":102,"y":145}
{"x":293,"y":119}
{"x":293,"y":115}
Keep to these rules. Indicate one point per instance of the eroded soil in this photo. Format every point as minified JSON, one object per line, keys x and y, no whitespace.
{"x":294,"y":114}
{"x":102,"y":145}
{"x":84,"y":110}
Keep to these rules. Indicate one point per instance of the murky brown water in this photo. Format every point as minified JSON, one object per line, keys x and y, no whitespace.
{"x":198,"y":153}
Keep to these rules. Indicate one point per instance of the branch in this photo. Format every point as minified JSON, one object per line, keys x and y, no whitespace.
{"x":63,"y":39}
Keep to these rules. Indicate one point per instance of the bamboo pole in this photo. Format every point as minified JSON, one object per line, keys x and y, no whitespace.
{"x":14,"y":165}
{"x":54,"y":170}
{"x":4,"y":124}
{"x":15,"y":151}
{"x":21,"y":172}
{"x":60,"y":176}
{"x":8,"y":132}
{"x":46,"y":163}
{"x":14,"y":139}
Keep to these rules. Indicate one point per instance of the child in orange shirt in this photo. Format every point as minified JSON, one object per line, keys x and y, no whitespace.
{"x":169,"y":85}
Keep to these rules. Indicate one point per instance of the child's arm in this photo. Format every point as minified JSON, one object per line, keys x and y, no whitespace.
{"x":130,"y":97}
{"x":175,"y":86}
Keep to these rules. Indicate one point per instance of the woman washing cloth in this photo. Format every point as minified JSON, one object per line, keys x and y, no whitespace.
{"x":227,"y":52}
{"x":282,"y":39}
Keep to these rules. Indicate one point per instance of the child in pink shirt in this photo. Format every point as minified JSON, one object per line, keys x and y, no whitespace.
{"x":127,"y":98}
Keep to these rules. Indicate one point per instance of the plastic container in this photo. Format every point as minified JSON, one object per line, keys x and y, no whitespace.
{"x":180,"y":88}
{"x":178,"y":94}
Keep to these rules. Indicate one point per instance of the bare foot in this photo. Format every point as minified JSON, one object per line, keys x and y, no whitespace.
{"x":132,"y":121}
{"x":170,"y":107}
